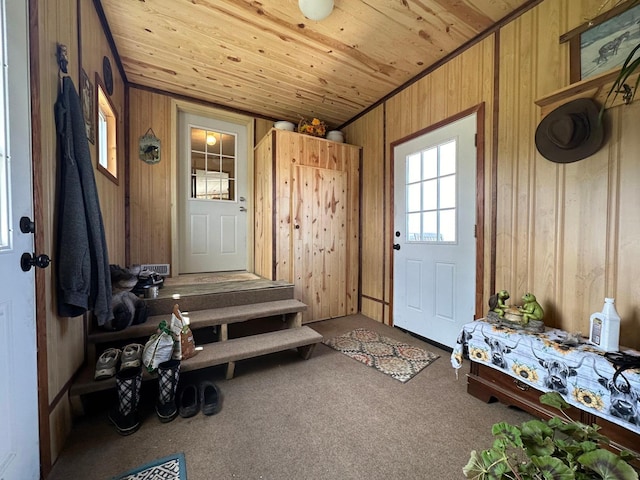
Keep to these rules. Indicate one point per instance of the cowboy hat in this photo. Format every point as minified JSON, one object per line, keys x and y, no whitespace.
{"x":571,"y":132}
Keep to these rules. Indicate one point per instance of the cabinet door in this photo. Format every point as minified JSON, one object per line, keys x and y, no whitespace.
{"x":319,"y":205}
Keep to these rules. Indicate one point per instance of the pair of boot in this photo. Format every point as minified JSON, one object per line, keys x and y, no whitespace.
{"x":128,"y":382}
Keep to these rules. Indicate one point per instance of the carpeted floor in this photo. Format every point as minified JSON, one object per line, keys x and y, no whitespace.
{"x":397,"y":359}
{"x":322,"y":419}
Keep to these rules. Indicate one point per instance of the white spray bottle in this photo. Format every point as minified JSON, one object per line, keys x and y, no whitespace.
{"x":604,"y":332}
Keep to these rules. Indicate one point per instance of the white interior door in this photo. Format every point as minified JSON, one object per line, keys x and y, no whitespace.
{"x":19,"y":453}
{"x":212,"y":163}
{"x":434,"y":225}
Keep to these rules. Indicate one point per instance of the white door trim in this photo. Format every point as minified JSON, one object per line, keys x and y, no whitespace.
{"x":178,"y":106}
{"x":480,"y":202}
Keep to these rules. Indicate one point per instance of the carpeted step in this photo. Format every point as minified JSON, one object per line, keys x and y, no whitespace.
{"x":204,"y":318}
{"x":218,"y":295}
{"x":218,"y":353}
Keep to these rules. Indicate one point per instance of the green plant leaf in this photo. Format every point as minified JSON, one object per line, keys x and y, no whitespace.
{"x":537,"y":438}
{"x":508,"y":432}
{"x":555,"y":400}
{"x":553,"y":468}
{"x":608,"y":465}
{"x":487,"y":465}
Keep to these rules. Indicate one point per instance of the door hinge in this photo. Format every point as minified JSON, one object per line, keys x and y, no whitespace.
{"x":475,"y":140}
{"x":475,"y":231}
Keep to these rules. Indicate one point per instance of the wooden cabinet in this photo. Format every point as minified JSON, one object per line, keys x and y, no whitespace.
{"x":307,"y":220}
{"x":489,"y":384}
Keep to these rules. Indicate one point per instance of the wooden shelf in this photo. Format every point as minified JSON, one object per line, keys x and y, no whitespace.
{"x":595,"y":87}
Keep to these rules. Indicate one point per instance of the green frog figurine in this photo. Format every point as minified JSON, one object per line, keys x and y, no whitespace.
{"x":498,"y":302}
{"x":531,"y":310}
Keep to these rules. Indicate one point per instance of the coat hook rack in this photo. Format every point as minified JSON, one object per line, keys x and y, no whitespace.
{"x":62,"y":56}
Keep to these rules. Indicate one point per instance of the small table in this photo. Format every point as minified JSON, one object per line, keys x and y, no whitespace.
{"x":541,"y":362}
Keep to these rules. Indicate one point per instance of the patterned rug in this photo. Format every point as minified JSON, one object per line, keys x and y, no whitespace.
{"x":396,"y":359}
{"x":167,"y":468}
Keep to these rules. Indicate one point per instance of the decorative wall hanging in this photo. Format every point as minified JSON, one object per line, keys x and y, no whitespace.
{"x":107,"y":75}
{"x":602,"y":44}
{"x":88,"y":106}
{"x":149,"y":148}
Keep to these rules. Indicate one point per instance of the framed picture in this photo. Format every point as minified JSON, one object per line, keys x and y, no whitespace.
{"x":603,"y":44}
{"x":88,"y":106}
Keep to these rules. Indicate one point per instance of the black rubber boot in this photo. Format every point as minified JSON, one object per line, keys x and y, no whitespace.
{"x":125,"y":415}
{"x":168,"y":376}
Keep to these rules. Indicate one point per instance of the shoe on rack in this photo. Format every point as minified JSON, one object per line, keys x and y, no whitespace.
{"x":189,"y":401}
{"x":210,"y":398}
{"x":131,"y":356}
{"x":107,"y":363}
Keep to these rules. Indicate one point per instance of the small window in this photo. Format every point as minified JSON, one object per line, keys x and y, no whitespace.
{"x":106,"y":138}
{"x":431,"y":187}
{"x":213,"y":164}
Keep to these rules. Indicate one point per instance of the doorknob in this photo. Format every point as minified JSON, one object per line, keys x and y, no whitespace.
{"x":396,"y":246}
{"x":27,"y":261}
{"x":27,"y":226}
{"x":243,"y":209}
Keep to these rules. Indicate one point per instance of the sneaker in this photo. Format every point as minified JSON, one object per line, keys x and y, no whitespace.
{"x":107,"y":363}
{"x":131,"y":356}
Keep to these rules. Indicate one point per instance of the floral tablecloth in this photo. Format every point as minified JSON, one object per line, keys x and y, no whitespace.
{"x":580,"y":373}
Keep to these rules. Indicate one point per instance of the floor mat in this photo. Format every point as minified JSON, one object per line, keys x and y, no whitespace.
{"x":396,"y":359}
{"x":172,"y":467}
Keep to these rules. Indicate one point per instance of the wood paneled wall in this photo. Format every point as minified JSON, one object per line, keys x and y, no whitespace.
{"x":373,"y":240}
{"x":568,"y":233}
{"x":59,"y":22}
{"x":150,"y":186}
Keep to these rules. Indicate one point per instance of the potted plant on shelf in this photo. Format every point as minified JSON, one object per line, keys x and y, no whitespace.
{"x":556,"y":449}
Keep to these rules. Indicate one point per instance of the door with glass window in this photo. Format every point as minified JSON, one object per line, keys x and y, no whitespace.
{"x":434,"y":232}
{"x":19,"y":450}
{"x":212,"y":166}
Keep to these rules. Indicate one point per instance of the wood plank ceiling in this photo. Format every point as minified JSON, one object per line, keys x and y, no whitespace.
{"x":267,"y":59}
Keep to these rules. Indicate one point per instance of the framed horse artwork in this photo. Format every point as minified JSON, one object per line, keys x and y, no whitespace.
{"x":603,"y":44}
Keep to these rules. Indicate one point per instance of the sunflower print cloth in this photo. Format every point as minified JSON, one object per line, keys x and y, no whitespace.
{"x":546,"y":361}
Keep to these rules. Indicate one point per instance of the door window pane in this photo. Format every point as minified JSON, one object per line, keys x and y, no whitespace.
{"x":413,"y":168}
{"x":432,"y":194}
{"x":413,"y":197}
{"x":447,"y":158}
{"x":213,"y":165}
{"x":448,"y":225}
{"x":430,"y":163}
{"x":448,"y":192}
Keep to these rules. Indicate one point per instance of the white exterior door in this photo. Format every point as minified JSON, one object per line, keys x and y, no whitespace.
{"x":19,"y":451}
{"x":212,"y":163}
{"x":434,"y":227}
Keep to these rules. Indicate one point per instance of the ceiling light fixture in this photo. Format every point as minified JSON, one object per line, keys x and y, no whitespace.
{"x":211,"y":140}
{"x":316,"y":9}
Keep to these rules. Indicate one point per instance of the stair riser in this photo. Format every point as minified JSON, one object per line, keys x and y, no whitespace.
{"x":163,"y":306}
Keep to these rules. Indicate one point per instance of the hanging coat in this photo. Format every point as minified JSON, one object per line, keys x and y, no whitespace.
{"x":82,"y":261}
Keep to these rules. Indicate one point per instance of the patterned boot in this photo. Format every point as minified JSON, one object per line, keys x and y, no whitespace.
{"x":168,"y":376}
{"x":125,"y":415}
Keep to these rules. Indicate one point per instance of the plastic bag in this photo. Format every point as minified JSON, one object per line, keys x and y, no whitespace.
{"x":158,"y":348}
{"x":184,"y":346}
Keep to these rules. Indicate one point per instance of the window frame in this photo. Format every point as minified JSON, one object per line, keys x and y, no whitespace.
{"x":110,"y":173}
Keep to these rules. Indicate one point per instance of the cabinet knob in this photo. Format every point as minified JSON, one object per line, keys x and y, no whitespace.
{"x":297,"y":227}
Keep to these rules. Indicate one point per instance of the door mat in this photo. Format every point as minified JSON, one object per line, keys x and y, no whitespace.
{"x":396,"y":359}
{"x":172,"y":467}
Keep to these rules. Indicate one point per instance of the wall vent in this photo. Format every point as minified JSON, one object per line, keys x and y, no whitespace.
{"x":162,"y":269}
